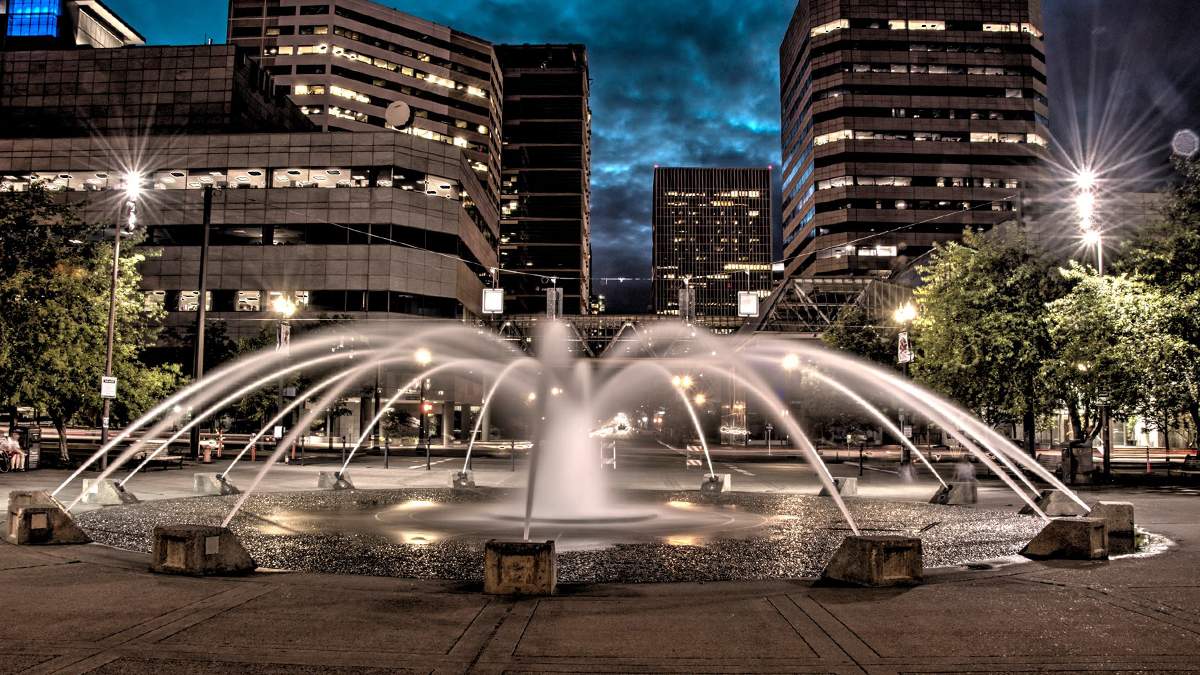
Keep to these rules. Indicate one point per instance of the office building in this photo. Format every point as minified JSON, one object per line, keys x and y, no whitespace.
{"x":63,"y":24}
{"x":545,"y":195}
{"x":346,"y":62}
{"x":712,"y":233}
{"x":905,"y":122}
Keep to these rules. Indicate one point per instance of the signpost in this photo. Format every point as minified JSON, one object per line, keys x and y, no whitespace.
{"x":108,"y":387}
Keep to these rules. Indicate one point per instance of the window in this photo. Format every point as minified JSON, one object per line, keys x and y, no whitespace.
{"x":914,"y":24}
{"x":189,"y":301}
{"x":33,"y":18}
{"x":1000,"y":28}
{"x":830,"y":27}
{"x":844,"y":134}
{"x":155,"y":300}
{"x":311,"y":10}
{"x":308,"y":89}
{"x":249,"y":301}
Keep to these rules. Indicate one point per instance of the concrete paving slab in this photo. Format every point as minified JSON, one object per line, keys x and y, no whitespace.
{"x":696,"y":627}
{"x":86,"y":603}
{"x":338,"y":618}
{"x":1001,"y":618}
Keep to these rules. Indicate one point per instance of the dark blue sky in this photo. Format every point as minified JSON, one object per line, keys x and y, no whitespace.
{"x":695,"y":82}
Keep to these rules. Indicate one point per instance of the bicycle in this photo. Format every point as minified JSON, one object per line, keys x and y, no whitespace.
{"x":5,"y":462}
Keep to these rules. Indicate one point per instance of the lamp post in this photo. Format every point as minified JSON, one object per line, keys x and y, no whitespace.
{"x":285,"y":308}
{"x":423,"y":357}
{"x":904,"y":316}
{"x":201,"y":312}
{"x":1085,"y":206}
{"x":133,"y":190}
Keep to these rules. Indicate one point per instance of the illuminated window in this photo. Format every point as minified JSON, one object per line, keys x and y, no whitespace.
{"x":33,"y":18}
{"x":1000,"y":28}
{"x":915,"y":24}
{"x":844,"y":134}
{"x":249,"y":301}
{"x":1032,"y":30}
{"x":308,"y":89}
{"x":1036,"y":140}
{"x":830,"y":27}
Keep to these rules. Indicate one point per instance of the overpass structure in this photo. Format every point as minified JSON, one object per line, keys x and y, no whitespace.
{"x":802,"y":308}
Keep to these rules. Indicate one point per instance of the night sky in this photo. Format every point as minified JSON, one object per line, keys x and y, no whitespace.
{"x":696,"y":83}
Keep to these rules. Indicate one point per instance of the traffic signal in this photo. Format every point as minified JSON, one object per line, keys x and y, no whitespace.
{"x":426,"y":407}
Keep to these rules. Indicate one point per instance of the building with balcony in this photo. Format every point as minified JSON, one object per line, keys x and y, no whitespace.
{"x":712,"y":234}
{"x":545,"y":197}
{"x":903,"y":124}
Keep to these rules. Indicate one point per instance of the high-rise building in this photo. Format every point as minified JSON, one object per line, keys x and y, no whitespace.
{"x":63,"y":24}
{"x":712,"y":233}
{"x":904,"y":122}
{"x":346,"y":62}
{"x":545,"y":194}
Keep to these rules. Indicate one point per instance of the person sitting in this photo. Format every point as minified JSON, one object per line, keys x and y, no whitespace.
{"x":11,"y":447}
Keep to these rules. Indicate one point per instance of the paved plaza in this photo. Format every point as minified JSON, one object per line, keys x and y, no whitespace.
{"x":93,"y":609}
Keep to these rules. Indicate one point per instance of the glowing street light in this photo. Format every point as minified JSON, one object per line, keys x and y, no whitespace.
{"x":1092,"y":238}
{"x":1085,"y":179}
{"x":283,"y":306}
{"x":423,"y":357}
{"x":905,"y":314}
{"x":700,"y":399}
{"x":791,"y":362}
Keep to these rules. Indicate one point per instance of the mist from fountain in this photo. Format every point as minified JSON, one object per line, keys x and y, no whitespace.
{"x":566,"y":481}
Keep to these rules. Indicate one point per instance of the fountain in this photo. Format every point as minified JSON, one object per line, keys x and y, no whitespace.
{"x":567,"y":496}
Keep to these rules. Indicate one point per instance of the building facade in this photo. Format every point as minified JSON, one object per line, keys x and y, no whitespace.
{"x":64,"y":24}
{"x":346,"y":62}
{"x":148,"y":90}
{"x":545,"y":197}
{"x":905,"y":122}
{"x":712,"y":233}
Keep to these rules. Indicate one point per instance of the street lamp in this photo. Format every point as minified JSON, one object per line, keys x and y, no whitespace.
{"x":424,"y":357}
{"x":1085,"y":208}
{"x":791,"y":362}
{"x":904,"y":315}
{"x":284,"y":308}
{"x":133,"y":190}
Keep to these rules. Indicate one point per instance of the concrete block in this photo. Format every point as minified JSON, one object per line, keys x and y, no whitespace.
{"x":1055,"y":503}
{"x":462,"y":480}
{"x":213,"y":484}
{"x":106,"y":492}
{"x":1119,"y":523}
{"x":334,"y":480}
{"x":846,"y":487}
{"x":957,"y":493}
{"x":520,"y":568}
{"x":199,"y":550}
{"x":1069,"y":539}
{"x":716,"y":484}
{"x":36,"y":518}
{"x":886,"y":560}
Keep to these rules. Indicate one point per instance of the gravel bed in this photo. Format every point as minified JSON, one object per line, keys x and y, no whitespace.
{"x":333,"y":532}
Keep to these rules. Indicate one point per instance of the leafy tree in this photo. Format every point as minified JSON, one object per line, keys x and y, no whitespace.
{"x":55,"y":286}
{"x":979,"y":329}
{"x":854,"y":332}
{"x":1166,"y":253}
{"x":1112,"y":343}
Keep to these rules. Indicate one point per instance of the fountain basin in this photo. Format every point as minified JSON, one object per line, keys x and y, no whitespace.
{"x":441,"y":533}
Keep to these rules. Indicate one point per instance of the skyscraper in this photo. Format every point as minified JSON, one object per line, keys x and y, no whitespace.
{"x":712,"y":232}
{"x":905,"y":122}
{"x":345,"y":62}
{"x":545,"y":194}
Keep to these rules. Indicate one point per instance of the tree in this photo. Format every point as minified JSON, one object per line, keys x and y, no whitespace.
{"x":1112,"y":345}
{"x":855,"y":333}
{"x":1166,"y":254}
{"x":55,"y":287}
{"x":979,"y":329}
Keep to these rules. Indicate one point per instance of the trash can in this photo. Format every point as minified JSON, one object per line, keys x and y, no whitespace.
{"x":31,"y":442}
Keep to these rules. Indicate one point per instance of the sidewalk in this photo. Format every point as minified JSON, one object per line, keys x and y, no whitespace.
{"x":93,"y":609}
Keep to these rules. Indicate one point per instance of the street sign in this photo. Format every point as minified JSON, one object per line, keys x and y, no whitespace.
{"x":904,"y":349}
{"x":908,"y":431}
{"x":493,"y":301}
{"x":108,"y":387}
{"x":747,"y":304}
{"x":284,"y":336}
